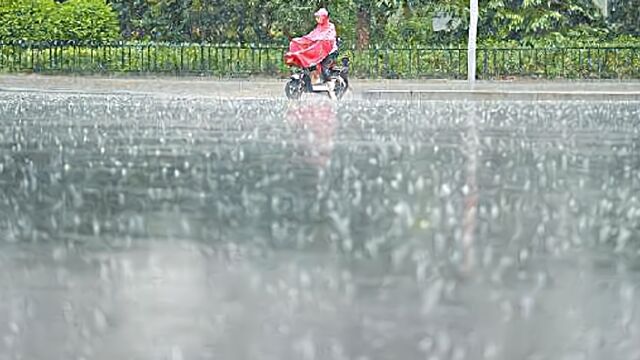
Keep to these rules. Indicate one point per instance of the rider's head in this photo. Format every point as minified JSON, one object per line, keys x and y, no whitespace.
{"x":322,"y":16}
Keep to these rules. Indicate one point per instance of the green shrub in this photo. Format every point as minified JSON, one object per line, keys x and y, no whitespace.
{"x":88,"y":20}
{"x":46,"y":20}
{"x":26,"y":20}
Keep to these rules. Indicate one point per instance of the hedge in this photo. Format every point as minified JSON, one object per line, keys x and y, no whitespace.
{"x":43,"y":20}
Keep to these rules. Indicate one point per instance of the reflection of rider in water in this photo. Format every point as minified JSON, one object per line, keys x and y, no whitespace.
{"x":317,"y":121}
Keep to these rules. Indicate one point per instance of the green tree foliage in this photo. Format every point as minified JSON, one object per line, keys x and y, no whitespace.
{"x":625,"y":16}
{"x":131,"y":13}
{"x":169,"y":18}
{"x":429,"y":23}
{"x":47,"y":20}
{"x":521,"y":21}
{"x":359,"y":22}
{"x":529,"y":20}
{"x":247,"y":20}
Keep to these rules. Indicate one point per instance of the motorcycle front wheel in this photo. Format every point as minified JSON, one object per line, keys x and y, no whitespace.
{"x":293,"y":89}
{"x":340,"y":88}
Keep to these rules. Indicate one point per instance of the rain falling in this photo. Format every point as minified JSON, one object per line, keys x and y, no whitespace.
{"x":150,"y":227}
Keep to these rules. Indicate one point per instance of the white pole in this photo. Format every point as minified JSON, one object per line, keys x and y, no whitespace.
{"x":471,"y":50}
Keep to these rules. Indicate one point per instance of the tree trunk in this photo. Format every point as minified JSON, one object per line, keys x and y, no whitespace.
{"x":362,"y":28}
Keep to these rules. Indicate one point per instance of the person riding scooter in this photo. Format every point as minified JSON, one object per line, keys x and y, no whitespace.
{"x":317,"y":48}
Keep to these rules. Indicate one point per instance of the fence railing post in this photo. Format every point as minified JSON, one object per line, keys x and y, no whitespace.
{"x":485,"y":64}
{"x":458,"y":74}
{"x":181,"y":58}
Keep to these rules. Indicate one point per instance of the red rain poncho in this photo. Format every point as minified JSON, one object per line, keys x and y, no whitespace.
{"x":312,"y":48}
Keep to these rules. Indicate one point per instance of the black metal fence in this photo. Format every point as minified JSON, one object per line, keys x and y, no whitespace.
{"x":230,"y":60}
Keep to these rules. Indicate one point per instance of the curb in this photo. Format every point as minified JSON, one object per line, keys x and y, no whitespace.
{"x":487,"y":95}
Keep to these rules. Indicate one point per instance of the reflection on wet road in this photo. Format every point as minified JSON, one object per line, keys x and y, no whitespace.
{"x":135,"y":227}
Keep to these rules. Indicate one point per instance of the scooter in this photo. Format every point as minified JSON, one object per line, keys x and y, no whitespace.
{"x":309,"y":80}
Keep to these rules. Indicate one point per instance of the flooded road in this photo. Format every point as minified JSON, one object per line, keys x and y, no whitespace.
{"x":141,"y":227}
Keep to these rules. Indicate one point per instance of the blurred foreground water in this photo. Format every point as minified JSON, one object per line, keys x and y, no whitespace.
{"x":136,"y":227}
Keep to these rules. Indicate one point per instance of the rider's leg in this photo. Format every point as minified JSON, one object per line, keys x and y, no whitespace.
{"x":325,"y":68}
